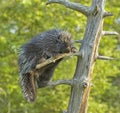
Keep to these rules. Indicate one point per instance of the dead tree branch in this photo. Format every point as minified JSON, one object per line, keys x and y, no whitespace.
{"x":75,"y":6}
{"x":54,"y":59}
{"x":78,"y":41}
{"x":107,"y":14}
{"x":105,"y":58}
{"x":104,"y":33}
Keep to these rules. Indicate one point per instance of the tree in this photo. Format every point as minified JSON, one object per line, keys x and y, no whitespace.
{"x":20,"y":21}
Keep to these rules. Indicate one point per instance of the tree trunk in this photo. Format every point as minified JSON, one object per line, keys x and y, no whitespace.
{"x":88,"y":52}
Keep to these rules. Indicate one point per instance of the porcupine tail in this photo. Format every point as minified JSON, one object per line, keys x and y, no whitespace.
{"x":28,"y":86}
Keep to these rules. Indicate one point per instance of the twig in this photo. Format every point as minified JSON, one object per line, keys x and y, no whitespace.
{"x":78,"y":41}
{"x":109,"y":33}
{"x":75,"y":6}
{"x":54,"y":59}
{"x":107,"y":14}
{"x":105,"y":58}
{"x":59,"y":82}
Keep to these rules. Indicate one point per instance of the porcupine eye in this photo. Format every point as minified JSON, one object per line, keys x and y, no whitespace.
{"x":59,"y":38}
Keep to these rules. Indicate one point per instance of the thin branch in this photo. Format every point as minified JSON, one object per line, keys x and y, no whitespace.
{"x":107,"y":14}
{"x":60,"y":82}
{"x":109,"y":33}
{"x":105,"y":58}
{"x":78,"y":41}
{"x":75,"y":6}
{"x":54,"y":59}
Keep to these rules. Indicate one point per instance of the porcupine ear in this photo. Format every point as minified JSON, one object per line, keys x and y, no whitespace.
{"x":28,"y":86}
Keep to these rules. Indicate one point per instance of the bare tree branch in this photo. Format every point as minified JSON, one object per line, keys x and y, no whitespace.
{"x":110,"y":33}
{"x":54,"y":59}
{"x":68,"y":82}
{"x":107,"y":14}
{"x":105,"y":58}
{"x":75,"y":6}
{"x":60,"y":82}
{"x":78,"y":41}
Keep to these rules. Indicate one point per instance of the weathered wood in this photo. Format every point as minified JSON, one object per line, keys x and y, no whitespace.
{"x":105,"y":58}
{"x":88,"y":51}
{"x":107,"y":14}
{"x":54,"y":59}
{"x":110,"y":33}
{"x":75,"y":6}
{"x":89,"y":47}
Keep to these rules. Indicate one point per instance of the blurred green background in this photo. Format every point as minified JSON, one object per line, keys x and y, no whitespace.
{"x":20,"y":20}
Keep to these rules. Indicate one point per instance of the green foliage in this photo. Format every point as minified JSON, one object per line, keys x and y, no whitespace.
{"x":20,"y":20}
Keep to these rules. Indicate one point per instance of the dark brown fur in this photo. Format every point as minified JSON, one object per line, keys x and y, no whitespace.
{"x":40,"y":48}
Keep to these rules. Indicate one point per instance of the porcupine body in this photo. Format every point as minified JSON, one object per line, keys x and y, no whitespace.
{"x":36,"y":51}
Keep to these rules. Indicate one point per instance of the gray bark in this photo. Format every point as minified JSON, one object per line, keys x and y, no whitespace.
{"x":85,"y":65}
{"x":88,"y":53}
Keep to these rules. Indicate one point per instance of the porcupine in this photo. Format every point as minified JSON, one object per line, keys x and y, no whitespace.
{"x":42,"y":47}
